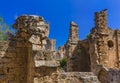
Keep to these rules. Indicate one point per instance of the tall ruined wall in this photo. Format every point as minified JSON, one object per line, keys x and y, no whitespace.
{"x":72,"y":40}
{"x":104,"y":45}
{"x":14,"y":63}
{"x":80,"y":60}
{"x":104,"y":49}
{"x":99,"y":54}
{"x":17,"y":61}
{"x":71,"y":43}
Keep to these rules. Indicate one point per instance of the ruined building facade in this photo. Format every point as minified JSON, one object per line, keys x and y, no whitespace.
{"x":99,"y":53}
{"x":30,"y":56}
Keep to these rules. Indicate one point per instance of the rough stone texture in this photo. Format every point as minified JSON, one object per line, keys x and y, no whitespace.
{"x":32,"y":28}
{"x":70,"y":77}
{"x":17,"y":59}
{"x":80,"y":55}
{"x":30,"y":56}
{"x":60,"y":53}
{"x":15,"y":66}
{"x":104,"y":50}
{"x":51,"y":44}
{"x":99,"y":53}
{"x":72,"y":40}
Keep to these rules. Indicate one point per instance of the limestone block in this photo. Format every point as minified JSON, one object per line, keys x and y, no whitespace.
{"x":47,"y":63}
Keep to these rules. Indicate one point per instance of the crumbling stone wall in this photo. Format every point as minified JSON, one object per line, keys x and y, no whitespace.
{"x":32,"y":28}
{"x":17,"y":61}
{"x":70,"y":77}
{"x":26,"y":58}
{"x":72,"y":40}
{"x":104,"y":49}
{"x":104,"y":44}
{"x":45,"y":66}
{"x":101,"y":51}
{"x":14,"y":63}
{"x":80,"y":55}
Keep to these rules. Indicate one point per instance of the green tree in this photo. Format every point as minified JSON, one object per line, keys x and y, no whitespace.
{"x":63,"y":63}
{"x":5,"y":33}
{"x":88,"y":35}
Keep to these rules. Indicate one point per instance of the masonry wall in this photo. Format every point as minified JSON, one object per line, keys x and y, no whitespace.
{"x":15,"y":63}
{"x":104,"y":50}
{"x":80,"y":56}
{"x":51,"y":44}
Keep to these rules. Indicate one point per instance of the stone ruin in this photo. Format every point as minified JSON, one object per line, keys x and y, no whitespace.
{"x":30,"y":56}
{"x":98,"y":53}
{"x":24,"y":59}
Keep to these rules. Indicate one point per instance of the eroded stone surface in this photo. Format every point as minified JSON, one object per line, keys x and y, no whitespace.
{"x":99,"y":52}
{"x":30,"y":56}
{"x":32,"y":28}
{"x":71,"y":77}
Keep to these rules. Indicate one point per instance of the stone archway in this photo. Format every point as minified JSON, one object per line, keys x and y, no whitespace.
{"x":103,"y":76}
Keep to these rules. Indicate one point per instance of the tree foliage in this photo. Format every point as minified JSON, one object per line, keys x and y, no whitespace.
{"x":5,"y":33}
{"x":63,"y":62}
{"x":88,"y":36}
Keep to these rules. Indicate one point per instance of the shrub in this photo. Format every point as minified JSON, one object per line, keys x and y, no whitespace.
{"x":5,"y":33}
{"x":88,"y":36}
{"x":63,"y":63}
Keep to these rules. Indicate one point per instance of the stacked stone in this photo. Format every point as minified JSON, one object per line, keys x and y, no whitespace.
{"x":101,"y":20}
{"x":14,"y":63}
{"x":32,"y":28}
{"x":51,"y":44}
{"x":73,"y":36}
{"x":104,"y":49}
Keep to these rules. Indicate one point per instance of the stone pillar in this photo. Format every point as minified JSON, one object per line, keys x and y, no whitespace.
{"x":73,"y":34}
{"x":71,"y":43}
{"x":24,"y":54}
{"x":72,"y":40}
{"x":51,"y":43}
{"x":30,"y":66}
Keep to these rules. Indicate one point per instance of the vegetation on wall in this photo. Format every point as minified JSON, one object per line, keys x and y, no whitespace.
{"x":5,"y":33}
{"x":63,"y":63}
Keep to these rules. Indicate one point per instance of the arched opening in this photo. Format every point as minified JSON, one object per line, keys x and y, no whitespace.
{"x":103,"y":76}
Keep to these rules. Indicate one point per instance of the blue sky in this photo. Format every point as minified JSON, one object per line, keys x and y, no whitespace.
{"x":59,"y":13}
